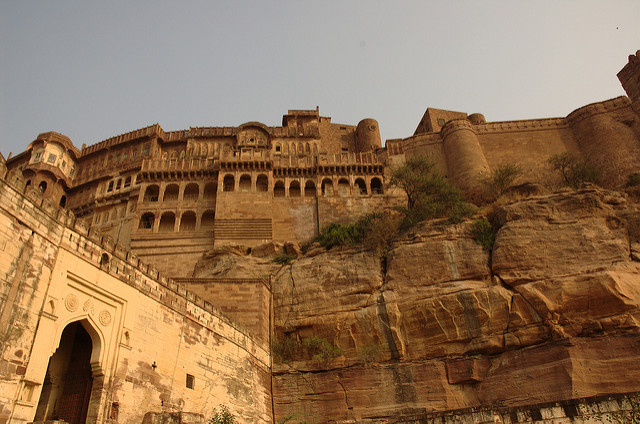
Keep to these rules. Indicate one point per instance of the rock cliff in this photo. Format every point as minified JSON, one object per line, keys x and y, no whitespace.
{"x":551,"y":313}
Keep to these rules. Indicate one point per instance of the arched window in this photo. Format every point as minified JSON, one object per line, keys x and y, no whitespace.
{"x":309,"y":189}
{"x":245,"y":182}
{"x":207,"y":220}
{"x":262,"y":183}
{"x":278,"y":189}
{"x":171,"y":193}
{"x":361,"y":187}
{"x":28,"y":183}
{"x":151,"y":193}
{"x":146,"y":221}
{"x":376,"y":186}
{"x":327,"y":187}
{"x":42,"y":186}
{"x":343,"y":187}
{"x":63,"y":201}
{"x":228,"y":184}
{"x":167,"y":222}
{"x":191,"y":192}
{"x":294,"y":189}
{"x":210,"y":191}
{"x":188,"y":221}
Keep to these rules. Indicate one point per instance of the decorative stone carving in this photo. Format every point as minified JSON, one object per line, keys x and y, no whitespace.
{"x":71,"y":303}
{"x":104,"y":317}
{"x":88,"y":307}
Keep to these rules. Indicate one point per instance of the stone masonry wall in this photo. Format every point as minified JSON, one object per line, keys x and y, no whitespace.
{"x":147,"y":332}
{"x":247,"y":301}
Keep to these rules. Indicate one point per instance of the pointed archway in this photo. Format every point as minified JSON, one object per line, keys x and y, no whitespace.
{"x":66,"y":391}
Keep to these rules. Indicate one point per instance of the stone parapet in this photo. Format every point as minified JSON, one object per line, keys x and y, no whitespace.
{"x":180,"y":165}
{"x":598,"y":108}
{"x":150,"y":131}
{"x":520,"y":125}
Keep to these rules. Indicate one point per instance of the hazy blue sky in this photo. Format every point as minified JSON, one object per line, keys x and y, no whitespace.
{"x":95,"y":69}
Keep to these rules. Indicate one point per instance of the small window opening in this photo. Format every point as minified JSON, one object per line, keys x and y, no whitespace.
{"x":190,"y":381}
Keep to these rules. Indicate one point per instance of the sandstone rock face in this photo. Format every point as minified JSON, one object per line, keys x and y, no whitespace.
{"x":552,"y":313}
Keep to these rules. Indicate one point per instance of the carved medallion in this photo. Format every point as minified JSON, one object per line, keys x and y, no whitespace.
{"x":88,"y":307}
{"x":104,"y":318}
{"x":71,"y":303}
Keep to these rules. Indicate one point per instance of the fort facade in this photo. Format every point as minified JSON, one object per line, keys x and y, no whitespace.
{"x":95,"y":238}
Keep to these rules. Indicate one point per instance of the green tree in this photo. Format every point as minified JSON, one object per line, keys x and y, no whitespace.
{"x":321,"y":349}
{"x":574,"y":170}
{"x":484,"y":234}
{"x":222,"y":417}
{"x":429,"y":193}
{"x":500,"y":178}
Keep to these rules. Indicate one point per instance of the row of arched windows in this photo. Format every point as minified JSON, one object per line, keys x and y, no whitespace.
{"x":120,"y":183}
{"x":297,"y":148}
{"x":327,"y":188}
{"x":43,"y":189}
{"x":245,"y":184}
{"x":169,"y":222}
{"x":191,"y":192}
{"x":343,"y":188}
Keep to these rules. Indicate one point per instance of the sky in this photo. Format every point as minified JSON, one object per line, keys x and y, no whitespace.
{"x":95,"y":69}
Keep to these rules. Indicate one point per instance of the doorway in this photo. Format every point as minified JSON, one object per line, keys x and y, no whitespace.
{"x":67,"y":386}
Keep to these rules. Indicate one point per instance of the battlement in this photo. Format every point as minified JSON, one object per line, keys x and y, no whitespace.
{"x":598,"y":108}
{"x":150,"y":131}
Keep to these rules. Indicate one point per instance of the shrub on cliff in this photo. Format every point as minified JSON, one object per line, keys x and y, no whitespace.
{"x":574,"y":170}
{"x":320,"y":349}
{"x":284,"y":259}
{"x":283,"y":349}
{"x":500,"y":179}
{"x":429,"y":193}
{"x":336,"y":234}
{"x":222,"y":417}
{"x":484,"y":234}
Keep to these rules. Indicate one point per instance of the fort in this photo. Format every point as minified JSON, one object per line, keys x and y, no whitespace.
{"x":106,"y":315}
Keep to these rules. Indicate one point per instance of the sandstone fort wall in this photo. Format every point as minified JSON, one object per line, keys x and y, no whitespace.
{"x":147,"y":332}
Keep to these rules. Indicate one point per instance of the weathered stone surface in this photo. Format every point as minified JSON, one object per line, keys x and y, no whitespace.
{"x":552,"y":315}
{"x":234,"y":262}
{"x":562,"y":234}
